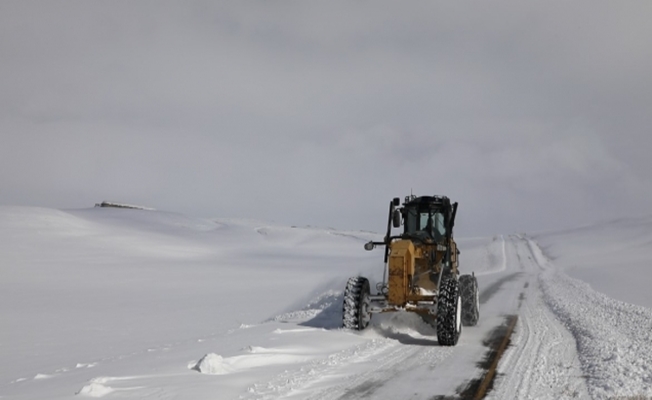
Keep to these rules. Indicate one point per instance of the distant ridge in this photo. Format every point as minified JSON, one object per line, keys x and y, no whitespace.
{"x":122,"y":205}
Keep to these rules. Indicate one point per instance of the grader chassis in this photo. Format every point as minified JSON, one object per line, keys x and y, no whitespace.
{"x":421,"y":272}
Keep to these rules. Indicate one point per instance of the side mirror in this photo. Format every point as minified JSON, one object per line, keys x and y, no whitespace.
{"x":369,"y":246}
{"x":396,"y":219}
{"x":396,"y":201}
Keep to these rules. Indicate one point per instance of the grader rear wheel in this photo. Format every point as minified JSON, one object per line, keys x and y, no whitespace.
{"x":470,"y":300}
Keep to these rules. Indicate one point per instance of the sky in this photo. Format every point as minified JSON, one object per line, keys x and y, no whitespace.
{"x":532,"y":115}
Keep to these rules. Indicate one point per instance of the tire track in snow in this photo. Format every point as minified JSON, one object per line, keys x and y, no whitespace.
{"x":543,"y":362}
{"x":497,"y":342}
{"x":350,"y":373}
{"x":299,"y":378}
{"x":492,"y":289}
{"x":400,"y":360}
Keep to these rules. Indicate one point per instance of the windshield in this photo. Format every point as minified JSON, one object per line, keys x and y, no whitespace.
{"x":428,"y":222}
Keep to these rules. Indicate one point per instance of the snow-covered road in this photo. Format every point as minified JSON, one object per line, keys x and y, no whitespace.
{"x":150,"y":305}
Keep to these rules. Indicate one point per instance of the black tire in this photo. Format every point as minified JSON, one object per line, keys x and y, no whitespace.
{"x":470,"y":300}
{"x":449,"y":312}
{"x":355,"y":310}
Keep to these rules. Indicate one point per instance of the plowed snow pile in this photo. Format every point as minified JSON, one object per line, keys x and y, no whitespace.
{"x":212,"y":364}
{"x":614,"y":338}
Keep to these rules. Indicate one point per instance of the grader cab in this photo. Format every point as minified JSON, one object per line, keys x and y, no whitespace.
{"x":421,"y":272}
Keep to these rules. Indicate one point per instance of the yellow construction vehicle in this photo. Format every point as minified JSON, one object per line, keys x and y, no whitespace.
{"x":421,"y":272}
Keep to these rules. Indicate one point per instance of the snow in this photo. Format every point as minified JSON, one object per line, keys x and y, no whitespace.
{"x":95,"y":389}
{"x":212,"y":364}
{"x":127,"y":303}
{"x":615,"y":258}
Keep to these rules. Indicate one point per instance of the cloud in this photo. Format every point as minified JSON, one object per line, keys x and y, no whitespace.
{"x":532,"y":116}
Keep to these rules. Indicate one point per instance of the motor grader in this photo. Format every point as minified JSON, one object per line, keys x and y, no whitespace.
{"x":421,"y":272}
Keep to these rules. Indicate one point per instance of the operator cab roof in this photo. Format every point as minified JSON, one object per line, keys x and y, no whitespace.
{"x":434,"y":201}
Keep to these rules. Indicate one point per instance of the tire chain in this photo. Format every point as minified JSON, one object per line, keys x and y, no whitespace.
{"x":351,"y":305}
{"x":468,"y":287}
{"x":446,"y":324}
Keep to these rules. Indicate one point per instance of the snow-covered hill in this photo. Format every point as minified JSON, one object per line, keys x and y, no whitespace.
{"x":121,"y":303}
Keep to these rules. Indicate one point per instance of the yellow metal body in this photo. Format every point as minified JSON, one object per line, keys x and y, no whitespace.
{"x":400,"y":271}
{"x":413,"y":269}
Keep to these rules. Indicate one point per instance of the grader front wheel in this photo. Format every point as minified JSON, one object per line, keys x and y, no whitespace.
{"x":449,"y":312}
{"x":355,"y":310}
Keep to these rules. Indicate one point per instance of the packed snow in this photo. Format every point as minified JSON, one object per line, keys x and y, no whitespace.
{"x":133,"y":303}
